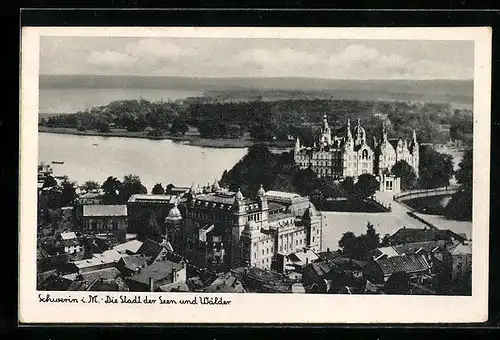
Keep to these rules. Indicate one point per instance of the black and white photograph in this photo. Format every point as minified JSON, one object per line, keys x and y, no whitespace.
{"x":307,"y":165}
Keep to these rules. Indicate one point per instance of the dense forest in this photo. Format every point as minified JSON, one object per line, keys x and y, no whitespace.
{"x":273,"y":120}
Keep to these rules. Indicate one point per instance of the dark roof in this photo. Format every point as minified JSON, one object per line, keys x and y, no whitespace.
{"x":345,"y":263}
{"x":174,"y":287}
{"x":226,"y":283}
{"x":157,"y":271}
{"x":324,"y":269}
{"x":150,"y":248}
{"x":407,"y":264}
{"x":328,"y":255}
{"x":98,"y":210}
{"x":411,"y":235}
{"x":133,"y":262}
{"x":394,"y":142}
{"x":411,"y":248}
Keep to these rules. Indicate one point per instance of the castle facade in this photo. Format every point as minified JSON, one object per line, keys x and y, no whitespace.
{"x":223,"y":229}
{"x":351,"y":155}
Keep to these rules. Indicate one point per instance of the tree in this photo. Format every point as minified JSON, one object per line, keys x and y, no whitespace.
{"x":386,"y":241}
{"x":49,"y":182}
{"x":435,"y":169}
{"x":329,"y":188}
{"x":68,"y":193}
{"x":111,"y":187}
{"x":348,"y":243}
{"x":372,"y":237}
{"x":398,"y":283}
{"x":158,"y":189}
{"x":348,"y":185}
{"x":103,"y":127}
{"x":131,"y":185}
{"x":464,"y":173}
{"x":360,"y":247}
{"x":90,"y":186}
{"x":460,"y":205}
{"x":366,"y":186}
{"x":178,"y":127}
{"x":407,"y":174}
{"x":168,"y":188}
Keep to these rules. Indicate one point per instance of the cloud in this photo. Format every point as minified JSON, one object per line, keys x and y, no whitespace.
{"x":252,"y":58}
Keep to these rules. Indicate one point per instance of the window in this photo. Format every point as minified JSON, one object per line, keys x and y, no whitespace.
{"x":262,"y":251}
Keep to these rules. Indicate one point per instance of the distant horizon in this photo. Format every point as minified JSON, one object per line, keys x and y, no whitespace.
{"x":248,"y":77}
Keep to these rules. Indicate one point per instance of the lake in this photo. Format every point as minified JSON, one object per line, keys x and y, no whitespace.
{"x":73,"y":100}
{"x":154,"y":161}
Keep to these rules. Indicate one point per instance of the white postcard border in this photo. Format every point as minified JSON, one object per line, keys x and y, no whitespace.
{"x":258,"y":308}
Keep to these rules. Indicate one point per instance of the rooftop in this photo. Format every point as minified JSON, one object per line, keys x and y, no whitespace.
{"x":462,"y":249}
{"x":68,"y":235}
{"x":281,"y":194}
{"x":152,"y":198}
{"x":408,"y":264}
{"x":130,"y":246}
{"x":411,"y":235}
{"x":98,"y":210}
{"x":225,"y":283}
{"x":98,"y":259}
{"x":157,"y":271}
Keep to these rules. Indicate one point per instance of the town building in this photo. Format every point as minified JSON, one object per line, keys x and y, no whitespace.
{"x":352,"y":155}
{"x":224,"y":229}
{"x":381,"y":269}
{"x":159,"y":273}
{"x":104,"y":218}
{"x":459,"y":259}
{"x":144,"y":208}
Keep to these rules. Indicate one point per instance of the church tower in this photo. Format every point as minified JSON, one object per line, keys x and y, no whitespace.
{"x":325,"y":138}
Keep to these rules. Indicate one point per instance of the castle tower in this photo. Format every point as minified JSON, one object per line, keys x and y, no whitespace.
{"x":261,"y":197}
{"x":414,"y":150}
{"x":349,"y":143}
{"x":325,"y":138}
{"x":359,"y":134}
{"x":173,"y":231}
{"x":297,"y":145}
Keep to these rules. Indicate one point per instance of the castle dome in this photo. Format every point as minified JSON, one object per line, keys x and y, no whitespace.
{"x":359,"y":130}
{"x":174,"y":214}
{"x":261,"y":192}
{"x":215,"y":186}
{"x":239,"y":195}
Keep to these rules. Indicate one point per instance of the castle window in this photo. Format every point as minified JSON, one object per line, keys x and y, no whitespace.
{"x":365,"y":154}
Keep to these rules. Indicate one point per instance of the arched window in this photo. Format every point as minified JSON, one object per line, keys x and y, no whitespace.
{"x":365,"y":154}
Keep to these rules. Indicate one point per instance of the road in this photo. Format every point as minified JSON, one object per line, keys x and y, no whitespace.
{"x":400,"y":210}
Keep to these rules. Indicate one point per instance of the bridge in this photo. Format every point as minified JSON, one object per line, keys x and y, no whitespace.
{"x":443,"y":191}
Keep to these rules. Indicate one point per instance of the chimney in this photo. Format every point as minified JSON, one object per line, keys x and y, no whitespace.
{"x":307,"y":261}
{"x":174,"y":274}
{"x":327,"y":250}
{"x":151,"y":285}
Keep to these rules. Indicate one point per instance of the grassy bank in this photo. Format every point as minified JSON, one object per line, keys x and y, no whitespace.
{"x":188,"y":139}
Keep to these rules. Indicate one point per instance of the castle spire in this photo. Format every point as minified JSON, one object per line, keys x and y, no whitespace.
{"x":297,"y":144}
{"x":384,"y":132}
{"x":349,"y":135}
{"x":414,"y":137}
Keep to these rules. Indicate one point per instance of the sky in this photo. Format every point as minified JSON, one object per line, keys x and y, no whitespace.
{"x":226,"y":57}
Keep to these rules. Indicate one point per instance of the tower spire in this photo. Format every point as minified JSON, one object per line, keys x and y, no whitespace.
{"x":349,"y":135}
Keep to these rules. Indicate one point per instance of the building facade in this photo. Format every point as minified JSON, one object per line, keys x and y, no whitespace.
{"x":224,"y":229}
{"x":351,"y":155}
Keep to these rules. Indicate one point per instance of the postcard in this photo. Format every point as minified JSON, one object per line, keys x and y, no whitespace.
{"x":254,"y":175}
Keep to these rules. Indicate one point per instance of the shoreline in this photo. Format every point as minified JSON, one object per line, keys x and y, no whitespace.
{"x":221,"y":143}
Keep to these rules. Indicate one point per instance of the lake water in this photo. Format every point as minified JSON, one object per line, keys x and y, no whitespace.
{"x":73,"y":100}
{"x":154,"y":161}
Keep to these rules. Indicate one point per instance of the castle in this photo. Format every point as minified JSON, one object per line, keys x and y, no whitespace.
{"x":350,"y":155}
{"x":223,"y":229}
